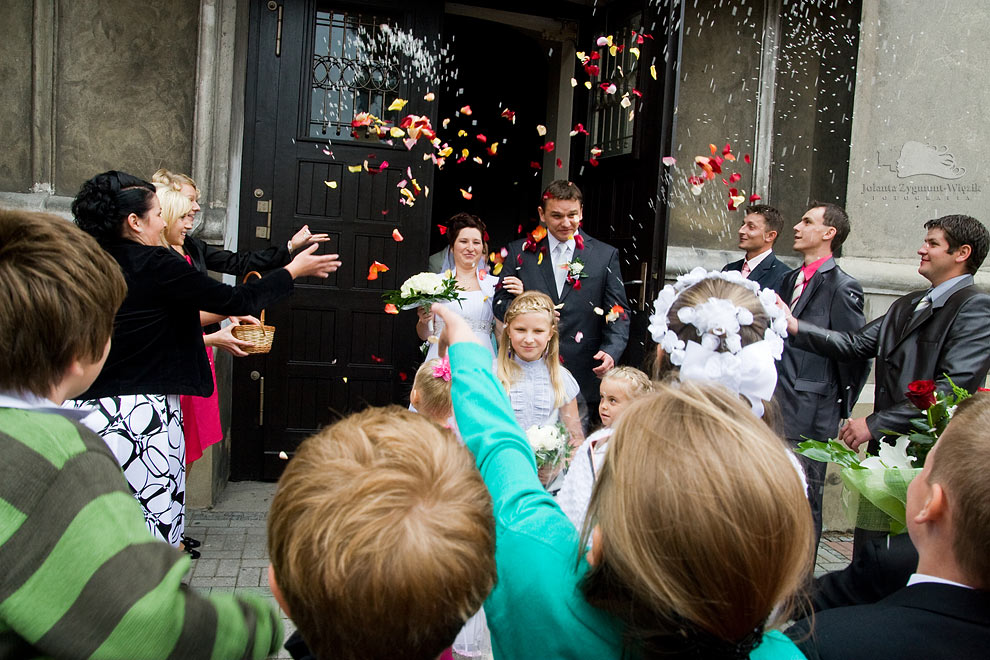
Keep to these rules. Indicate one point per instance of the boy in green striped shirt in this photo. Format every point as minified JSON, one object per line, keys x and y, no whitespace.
{"x":80,"y":576}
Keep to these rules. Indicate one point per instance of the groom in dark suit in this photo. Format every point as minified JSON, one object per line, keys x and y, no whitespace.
{"x":582,"y":276}
{"x":932,"y":334}
{"x":944,"y":611}
{"x":814,"y":392}
{"x":760,"y":228}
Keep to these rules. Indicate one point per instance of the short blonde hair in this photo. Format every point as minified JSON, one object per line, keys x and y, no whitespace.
{"x":507,"y":371}
{"x":434,"y":393}
{"x":960,"y":463}
{"x":174,"y":205}
{"x":382,"y":538}
{"x":705,"y":527}
{"x":173,"y":180}
{"x":639,"y":383}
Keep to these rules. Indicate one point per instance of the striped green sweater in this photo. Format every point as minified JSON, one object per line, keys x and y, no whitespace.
{"x":81,"y":577}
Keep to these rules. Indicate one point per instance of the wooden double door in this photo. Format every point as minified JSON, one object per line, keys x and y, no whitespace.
{"x":312,"y":66}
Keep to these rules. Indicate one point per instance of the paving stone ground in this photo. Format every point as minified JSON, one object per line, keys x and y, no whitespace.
{"x":235,"y":556}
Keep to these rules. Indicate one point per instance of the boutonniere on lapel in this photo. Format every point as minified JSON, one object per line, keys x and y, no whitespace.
{"x":575,"y":271}
{"x":532,"y":244}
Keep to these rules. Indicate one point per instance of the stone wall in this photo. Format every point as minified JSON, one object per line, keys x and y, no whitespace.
{"x":96,"y":85}
{"x":918,"y":124}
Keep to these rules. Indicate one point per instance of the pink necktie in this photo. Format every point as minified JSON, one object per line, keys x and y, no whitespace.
{"x":746,"y":270}
{"x":798,"y":288}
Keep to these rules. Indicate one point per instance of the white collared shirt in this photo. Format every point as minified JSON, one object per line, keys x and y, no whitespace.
{"x":758,"y":259}
{"x":553,"y":243}
{"x":939,"y":294}
{"x":921,"y":578}
{"x":28,"y":401}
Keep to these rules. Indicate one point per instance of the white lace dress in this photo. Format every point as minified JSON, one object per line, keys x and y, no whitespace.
{"x":476,"y":308}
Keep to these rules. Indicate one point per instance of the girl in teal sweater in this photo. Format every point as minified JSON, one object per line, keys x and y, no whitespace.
{"x":698,"y":528}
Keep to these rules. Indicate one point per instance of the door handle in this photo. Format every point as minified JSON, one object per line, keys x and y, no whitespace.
{"x":261,"y":396}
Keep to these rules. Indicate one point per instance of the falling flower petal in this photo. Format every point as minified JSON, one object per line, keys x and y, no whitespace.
{"x":548,"y":147}
{"x":599,"y":311}
{"x":560,"y":163}
{"x":376,"y":268}
{"x":331,"y":184}
{"x":354,"y":168}
{"x":625,"y":102}
{"x":443,"y":229}
{"x":396,"y":235}
{"x":376,"y":359}
{"x":668,"y":160}
{"x":510,"y":115}
{"x":608,"y":88}
{"x":480,"y":137}
{"x":541,"y":130}
{"x":391,"y":309}
{"x":283,"y":456}
{"x":535,"y":165}
{"x":466,"y":110}
{"x":653,"y":71}
{"x":539,"y":259}
{"x":462,"y":133}
{"x":695,"y":190}
{"x":634,"y":51}
{"x":573,"y":82}
{"x":465,"y":194}
{"x":754,"y":198}
{"x":604,"y":41}
{"x":410,"y":143}
{"x":587,"y":83}
{"x":397,"y":104}
{"x":747,"y":159}
{"x":735,"y":176}
{"x":430,"y":96}
{"x":578,"y":337}
{"x":445,"y":122}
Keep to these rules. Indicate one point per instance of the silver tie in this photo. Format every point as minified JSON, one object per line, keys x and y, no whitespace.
{"x":559,"y":273}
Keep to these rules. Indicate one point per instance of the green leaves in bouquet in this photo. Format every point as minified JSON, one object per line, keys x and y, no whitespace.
{"x":832,"y":451}
{"x":450,"y":291}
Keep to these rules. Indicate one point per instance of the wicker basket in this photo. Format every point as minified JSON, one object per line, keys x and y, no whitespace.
{"x":261,"y":336}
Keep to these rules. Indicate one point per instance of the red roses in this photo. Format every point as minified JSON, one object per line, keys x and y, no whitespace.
{"x":922,"y":394}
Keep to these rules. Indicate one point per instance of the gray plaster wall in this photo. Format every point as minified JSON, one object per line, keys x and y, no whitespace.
{"x":919,"y":123}
{"x":15,"y":95}
{"x":125,"y":84}
{"x":803,"y":143}
{"x":719,"y":79}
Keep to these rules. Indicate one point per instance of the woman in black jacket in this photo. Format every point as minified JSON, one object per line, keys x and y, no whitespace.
{"x":157,"y":350}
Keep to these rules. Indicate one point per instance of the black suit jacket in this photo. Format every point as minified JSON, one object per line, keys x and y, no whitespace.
{"x":769,"y":273}
{"x":602,"y":288}
{"x":883,"y":567}
{"x":952,"y":338}
{"x":925,"y":622}
{"x":157,"y":345}
{"x":815,"y":392}
{"x":206,"y":257}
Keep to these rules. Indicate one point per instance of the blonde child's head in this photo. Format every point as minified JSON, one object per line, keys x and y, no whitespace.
{"x":619,"y":387}
{"x":530,"y":333}
{"x":175,"y":212}
{"x":699,"y":522}
{"x":431,"y":390}
{"x":381,"y":537}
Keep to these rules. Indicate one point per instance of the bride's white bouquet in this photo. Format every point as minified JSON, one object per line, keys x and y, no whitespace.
{"x":551,"y":447}
{"x":422,"y":290}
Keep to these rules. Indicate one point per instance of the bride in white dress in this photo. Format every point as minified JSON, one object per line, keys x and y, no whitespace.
{"x":466,"y":235}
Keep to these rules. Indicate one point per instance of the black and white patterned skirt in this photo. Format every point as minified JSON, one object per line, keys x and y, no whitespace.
{"x":144,"y":431}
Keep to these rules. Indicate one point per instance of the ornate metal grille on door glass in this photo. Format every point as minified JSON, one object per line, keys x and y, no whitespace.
{"x":351,"y":72}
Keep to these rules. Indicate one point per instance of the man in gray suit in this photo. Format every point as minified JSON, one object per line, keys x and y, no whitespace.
{"x":815,"y":392}
{"x":591,"y":340}
{"x":932,"y":334}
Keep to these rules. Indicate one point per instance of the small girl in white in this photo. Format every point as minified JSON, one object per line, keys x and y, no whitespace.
{"x":619,"y":387}
{"x":528,"y":366}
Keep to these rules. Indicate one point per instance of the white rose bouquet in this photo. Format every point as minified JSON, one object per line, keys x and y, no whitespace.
{"x":551,"y":447}
{"x":424,"y":289}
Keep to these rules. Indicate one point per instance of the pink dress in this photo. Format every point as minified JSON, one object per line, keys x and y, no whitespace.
{"x":201,"y":416}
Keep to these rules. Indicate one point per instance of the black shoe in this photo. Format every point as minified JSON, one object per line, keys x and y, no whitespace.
{"x":193,"y":554}
{"x":190,"y":542}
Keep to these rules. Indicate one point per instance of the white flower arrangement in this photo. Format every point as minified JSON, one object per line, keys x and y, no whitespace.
{"x":748,"y":370}
{"x":422,"y":284}
{"x":549,"y":443}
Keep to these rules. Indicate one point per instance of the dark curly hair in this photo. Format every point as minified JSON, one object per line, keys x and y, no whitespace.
{"x":105,"y":201}
{"x":464,"y":221}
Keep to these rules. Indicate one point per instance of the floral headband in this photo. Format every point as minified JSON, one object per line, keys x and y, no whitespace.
{"x":442,"y":370}
{"x":749,"y":370}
